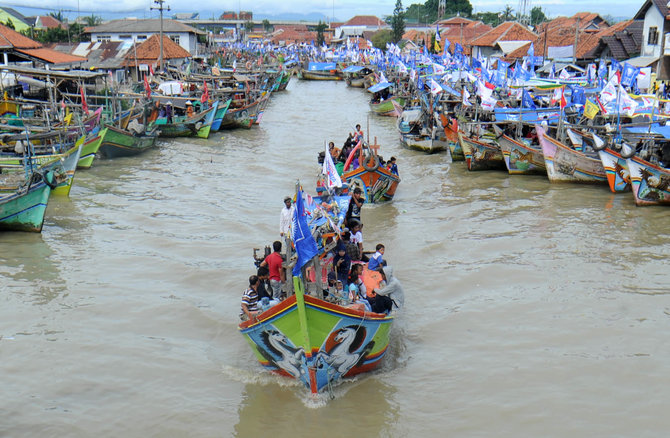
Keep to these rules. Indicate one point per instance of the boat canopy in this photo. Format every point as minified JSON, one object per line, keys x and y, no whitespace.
{"x":411,"y":115}
{"x":353,"y":69}
{"x":379,"y":87}
{"x":655,"y":129}
{"x":321,"y":66}
{"x":551,"y":115}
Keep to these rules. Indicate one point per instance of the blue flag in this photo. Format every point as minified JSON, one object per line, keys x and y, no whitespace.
{"x":629,"y":74}
{"x":527,"y":100}
{"x":305,"y":245}
{"x":531,"y":50}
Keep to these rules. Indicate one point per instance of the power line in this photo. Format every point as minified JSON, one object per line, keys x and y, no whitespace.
{"x":43,"y":8}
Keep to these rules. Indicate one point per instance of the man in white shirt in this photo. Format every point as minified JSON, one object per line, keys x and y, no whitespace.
{"x":286,"y":218}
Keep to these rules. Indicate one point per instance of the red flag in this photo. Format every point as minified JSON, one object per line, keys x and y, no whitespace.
{"x":62,"y":104}
{"x":151,"y":70}
{"x":563,"y":102}
{"x":84,"y":106}
{"x":147,"y":87}
{"x":205,"y":94}
{"x":602,"y":107}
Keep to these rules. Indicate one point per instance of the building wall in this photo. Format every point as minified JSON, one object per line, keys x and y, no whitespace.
{"x":652,"y":18}
{"x":186,"y":40}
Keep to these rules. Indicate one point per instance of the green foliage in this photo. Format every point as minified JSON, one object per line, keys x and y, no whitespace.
{"x":381,"y":38}
{"x":267,"y":26}
{"x":507,"y":14}
{"x":92,"y":20}
{"x":490,"y":18}
{"x":537,"y":16}
{"x":397,"y":23}
{"x":320,"y":28}
{"x":10,"y":24}
{"x":249,"y":26}
{"x":57,"y":15}
{"x":427,"y":12}
{"x":73,"y":34}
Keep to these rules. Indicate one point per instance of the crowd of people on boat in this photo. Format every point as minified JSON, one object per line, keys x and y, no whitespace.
{"x":354,"y":276}
{"x":341,"y":155}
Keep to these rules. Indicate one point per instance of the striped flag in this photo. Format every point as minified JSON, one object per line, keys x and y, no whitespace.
{"x":332,"y":177}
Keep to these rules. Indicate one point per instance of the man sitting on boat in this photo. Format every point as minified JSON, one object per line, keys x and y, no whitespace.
{"x":250,"y":300}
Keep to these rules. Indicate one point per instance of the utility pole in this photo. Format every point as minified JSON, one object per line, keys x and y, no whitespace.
{"x":574,"y":51}
{"x":160,"y":8}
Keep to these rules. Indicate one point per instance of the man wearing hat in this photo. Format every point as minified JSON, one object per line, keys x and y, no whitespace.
{"x":286,"y":218}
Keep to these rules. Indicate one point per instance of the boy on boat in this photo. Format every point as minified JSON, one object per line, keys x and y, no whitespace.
{"x":250,"y":300}
{"x":377,"y":261}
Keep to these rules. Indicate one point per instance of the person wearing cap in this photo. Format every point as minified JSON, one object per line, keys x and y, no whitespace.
{"x":286,"y":218}
{"x":189,"y":108}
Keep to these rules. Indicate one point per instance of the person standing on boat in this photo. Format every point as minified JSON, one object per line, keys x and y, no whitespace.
{"x":393,"y":168}
{"x":342,"y":263}
{"x":358,"y":135}
{"x":286,"y":218}
{"x":250,"y":300}
{"x":274,"y":262}
{"x":357,"y":239}
{"x":354,"y":210}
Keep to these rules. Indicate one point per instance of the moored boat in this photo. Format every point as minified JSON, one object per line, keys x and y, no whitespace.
{"x":118,"y":142}
{"x":650,"y":182}
{"x":565,"y":164}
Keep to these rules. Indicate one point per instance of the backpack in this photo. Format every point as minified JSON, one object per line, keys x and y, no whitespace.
{"x":381,"y":304}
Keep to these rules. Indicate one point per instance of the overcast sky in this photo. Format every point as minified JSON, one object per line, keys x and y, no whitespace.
{"x":342,"y":9}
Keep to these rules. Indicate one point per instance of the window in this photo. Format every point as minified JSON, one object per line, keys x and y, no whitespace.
{"x":652,"y":39}
{"x":103,"y":38}
{"x":175,"y":38}
{"x":125,"y":37}
{"x":141,"y":37}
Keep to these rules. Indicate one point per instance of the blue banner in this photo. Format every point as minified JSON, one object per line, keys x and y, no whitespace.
{"x":305,"y":245}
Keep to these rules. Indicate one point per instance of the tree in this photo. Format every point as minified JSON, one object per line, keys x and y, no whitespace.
{"x":490,"y":18}
{"x":381,"y":38}
{"x":537,"y":16}
{"x":92,"y":20}
{"x":320,"y":40}
{"x":397,"y":22}
{"x":267,"y":26}
{"x":507,"y":14}
{"x":57,"y":15}
{"x":10,"y":24}
{"x":427,"y":12}
{"x":249,"y":26}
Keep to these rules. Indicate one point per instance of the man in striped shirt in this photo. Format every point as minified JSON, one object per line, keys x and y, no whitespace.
{"x":250,"y":299}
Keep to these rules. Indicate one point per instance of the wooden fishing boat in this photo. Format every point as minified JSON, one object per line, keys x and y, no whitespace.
{"x":22,"y":206}
{"x":320,"y":71}
{"x":315,"y":340}
{"x":417,"y":131}
{"x":118,"y":142}
{"x":355,"y":75}
{"x":220,"y":114}
{"x":521,"y":158}
{"x":183,"y":126}
{"x":616,"y":167}
{"x":240,"y":116}
{"x":650,"y":182}
{"x":450,"y":125}
{"x":564,"y":164}
{"x":480,"y":155}
{"x":90,"y":148}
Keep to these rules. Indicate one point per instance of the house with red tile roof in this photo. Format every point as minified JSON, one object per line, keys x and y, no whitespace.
{"x":463,"y":33}
{"x":356,"y":26}
{"x":18,"y":48}
{"x":585,"y":21}
{"x":148,"y":53}
{"x":502,"y":40}
{"x":44,"y":22}
{"x":620,"y":41}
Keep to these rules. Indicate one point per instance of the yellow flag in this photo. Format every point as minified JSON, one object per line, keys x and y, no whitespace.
{"x":437,"y":47}
{"x":590,"y":109}
{"x":67,"y":119}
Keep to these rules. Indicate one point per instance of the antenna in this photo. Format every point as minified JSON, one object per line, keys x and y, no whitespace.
{"x":524,"y":11}
{"x":160,"y":8}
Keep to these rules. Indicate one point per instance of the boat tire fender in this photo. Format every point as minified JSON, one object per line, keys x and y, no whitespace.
{"x":370,"y":159}
{"x":52,"y":184}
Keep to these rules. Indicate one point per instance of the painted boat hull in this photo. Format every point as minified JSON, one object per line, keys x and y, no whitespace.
{"x":23,"y":210}
{"x":378,"y":185}
{"x":565,"y":164}
{"x":650,"y":183}
{"x":616,"y":169}
{"x":520,"y":158}
{"x":330,"y":75}
{"x":119,"y":143}
{"x":90,"y":149}
{"x":220,"y":114}
{"x":386,"y":108}
{"x":451,"y":132}
{"x":481,"y":156}
{"x":279,"y":344}
{"x":424,"y":143}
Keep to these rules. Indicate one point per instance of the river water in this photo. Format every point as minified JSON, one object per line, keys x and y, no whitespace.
{"x":532,"y":309}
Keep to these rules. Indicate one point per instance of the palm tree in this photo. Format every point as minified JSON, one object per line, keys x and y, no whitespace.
{"x":93,"y":20}
{"x":507,"y":14}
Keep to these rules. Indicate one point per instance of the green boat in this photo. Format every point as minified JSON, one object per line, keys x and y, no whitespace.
{"x":91,"y":146}
{"x":386,"y":107}
{"x":183,"y":126}
{"x":121,"y":143}
{"x":22,"y":208}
